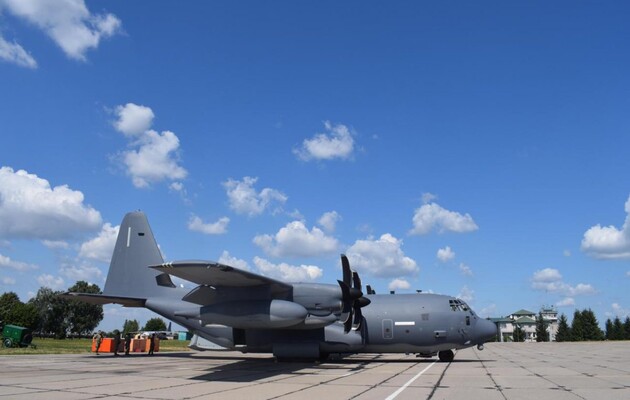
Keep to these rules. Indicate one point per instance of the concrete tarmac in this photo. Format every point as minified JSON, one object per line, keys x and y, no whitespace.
{"x":537,"y":371}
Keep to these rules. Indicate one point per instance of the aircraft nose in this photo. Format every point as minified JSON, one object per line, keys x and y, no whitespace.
{"x":485,"y":330}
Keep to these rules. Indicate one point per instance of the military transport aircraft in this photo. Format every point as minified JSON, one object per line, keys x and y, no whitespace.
{"x":243,"y":311}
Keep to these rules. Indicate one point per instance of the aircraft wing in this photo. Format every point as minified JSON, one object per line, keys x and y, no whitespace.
{"x":101,"y":299}
{"x":219,"y":276}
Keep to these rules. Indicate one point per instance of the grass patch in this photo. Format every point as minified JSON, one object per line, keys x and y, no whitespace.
{"x":79,"y":346}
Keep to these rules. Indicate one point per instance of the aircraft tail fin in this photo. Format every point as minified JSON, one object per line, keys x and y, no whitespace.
{"x":136,"y":249}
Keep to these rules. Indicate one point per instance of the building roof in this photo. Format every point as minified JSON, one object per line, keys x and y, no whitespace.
{"x":500,"y":319}
{"x":525,"y":321}
{"x":523,"y":312}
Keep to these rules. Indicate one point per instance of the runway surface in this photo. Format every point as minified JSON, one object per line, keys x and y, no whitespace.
{"x":502,"y":371}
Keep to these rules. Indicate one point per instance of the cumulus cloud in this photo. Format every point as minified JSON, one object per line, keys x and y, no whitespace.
{"x":244,"y":199}
{"x":295,"y":240}
{"x":466,"y":294}
{"x":7,"y":262}
{"x":68,"y":23}
{"x":399,"y":284}
{"x":49,"y":281}
{"x":153,"y":157}
{"x":7,"y":281}
{"x":550,"y":280}
{"x":381,"y":257}
{"x":465,"y":269}
{"x":609,"y":242}
{"x":329,"y":220}
{"x":287,"y":272}
{"x":55,"y":244}
{"x":566,"y":302}
{"x":88,"y":273}
{"x":15,"y":54}
{"x":618,"y":311}
{"x":133,"y":119}
{"x":31,"y":209}
{"x":432,"y":216}
{"x":445,"y":254}
{"x":336,"y":142}
{"x":101,"y":247}
{"x":227,"y":259}
{"x":214,"y":228}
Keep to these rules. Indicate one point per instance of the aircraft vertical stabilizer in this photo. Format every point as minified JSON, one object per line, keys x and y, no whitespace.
{"x":135,"y":250}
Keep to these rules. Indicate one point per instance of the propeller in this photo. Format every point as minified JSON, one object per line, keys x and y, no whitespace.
{"x":352,"y":297}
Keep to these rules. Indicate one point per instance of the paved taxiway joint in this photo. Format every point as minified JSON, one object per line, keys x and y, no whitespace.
{"x":502,"y":371}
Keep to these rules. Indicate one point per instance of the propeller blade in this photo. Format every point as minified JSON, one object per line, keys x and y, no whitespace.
{"x":358,"y":319}
{"x":347,"y":272}
{"x":356,"y":281}
{"x":347,"y":325}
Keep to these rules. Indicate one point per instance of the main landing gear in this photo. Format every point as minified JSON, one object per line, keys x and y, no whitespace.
{"x":446,"y":355}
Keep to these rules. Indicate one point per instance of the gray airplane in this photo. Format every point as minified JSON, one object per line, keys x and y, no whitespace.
{"x":240,"y":310}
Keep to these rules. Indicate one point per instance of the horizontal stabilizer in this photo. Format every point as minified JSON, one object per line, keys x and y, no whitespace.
{"x":104,"y":299}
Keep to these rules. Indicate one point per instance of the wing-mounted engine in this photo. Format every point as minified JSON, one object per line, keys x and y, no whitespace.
{"x":242,"y":299}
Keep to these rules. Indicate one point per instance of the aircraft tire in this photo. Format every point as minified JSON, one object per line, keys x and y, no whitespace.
{"x":446,"y":355}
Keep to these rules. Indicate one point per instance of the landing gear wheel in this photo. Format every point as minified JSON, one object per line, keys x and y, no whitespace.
{"x":7,"y":343}
{"x":446,"y":355}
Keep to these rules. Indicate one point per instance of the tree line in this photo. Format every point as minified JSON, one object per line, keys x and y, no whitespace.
{"x":49,"y":315}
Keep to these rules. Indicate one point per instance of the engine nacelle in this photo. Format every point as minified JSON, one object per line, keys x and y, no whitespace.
{"x":254,"y":314}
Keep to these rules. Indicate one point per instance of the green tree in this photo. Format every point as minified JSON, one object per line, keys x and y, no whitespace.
{"x":155,"y":324}
{"x":626,"y":328}
{"x":82,"y":317}
{"x":617,"y":329}
{"x":13,"y":311}
{"x":577,"y":327}
{"x":564,"y":332}
{"x":518,"y":335}
{"x":541,"y":329}
{"x":8,"y":301}
{"x":591,"y":328}
{"x":51,"y":310}
{"x":130,"y":326}
{"x":609,"y":329}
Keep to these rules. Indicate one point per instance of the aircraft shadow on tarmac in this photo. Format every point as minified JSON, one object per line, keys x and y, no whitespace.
{"x":251,"y":369}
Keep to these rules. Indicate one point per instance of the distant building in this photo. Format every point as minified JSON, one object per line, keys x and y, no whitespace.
{"x":526,"y":320}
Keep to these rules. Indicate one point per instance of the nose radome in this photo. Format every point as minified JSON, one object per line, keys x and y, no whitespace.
{"x":486,"y":330}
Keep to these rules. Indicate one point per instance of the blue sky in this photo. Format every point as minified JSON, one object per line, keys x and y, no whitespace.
{"x":472,"y":149}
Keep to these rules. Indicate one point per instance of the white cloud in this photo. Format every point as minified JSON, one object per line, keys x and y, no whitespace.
{"x":566,"y":253}
{"x":49,"y":281}
{"x":55,"y":244}
{"x":618,"y":311}
{"x":465,"y":269}
{"x":101,"y":247}
{"x":337,"y":142}
{"x":550,"y":280}
{"x":329,"y":220}
{"x":7,"y":281}
{"x":133,"y":119}
{"x":445,"y":254}
{"x":7,"y":262}
{"x":153,"y":157}
{"x":547,"y":275}
{"x":433,"y":216}
{"x":15,"y":54}
{"x":566,"y":302}
{"x":295,"y":240}
{"x":428,"y":197}
{"x":399,"y":284}
{"x":381,"y":257}
{"x":286,"y":272}
{"x":215,"y":228}
{"x":488,"y":311}
{"x":68,"y":23}
{"x":88,"y":273}
{"x":244,"y":199}
{"x":466,"y":294}
{"x":155,"y":160}
{"x":608,"y":242}
{"x":29,"y":208}
{"x":227,"y":259}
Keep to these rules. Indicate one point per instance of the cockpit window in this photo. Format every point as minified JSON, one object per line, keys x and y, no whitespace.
{"x":458,"y":305}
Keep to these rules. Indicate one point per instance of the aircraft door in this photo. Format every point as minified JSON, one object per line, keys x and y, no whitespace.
{"x":388,"y":329}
